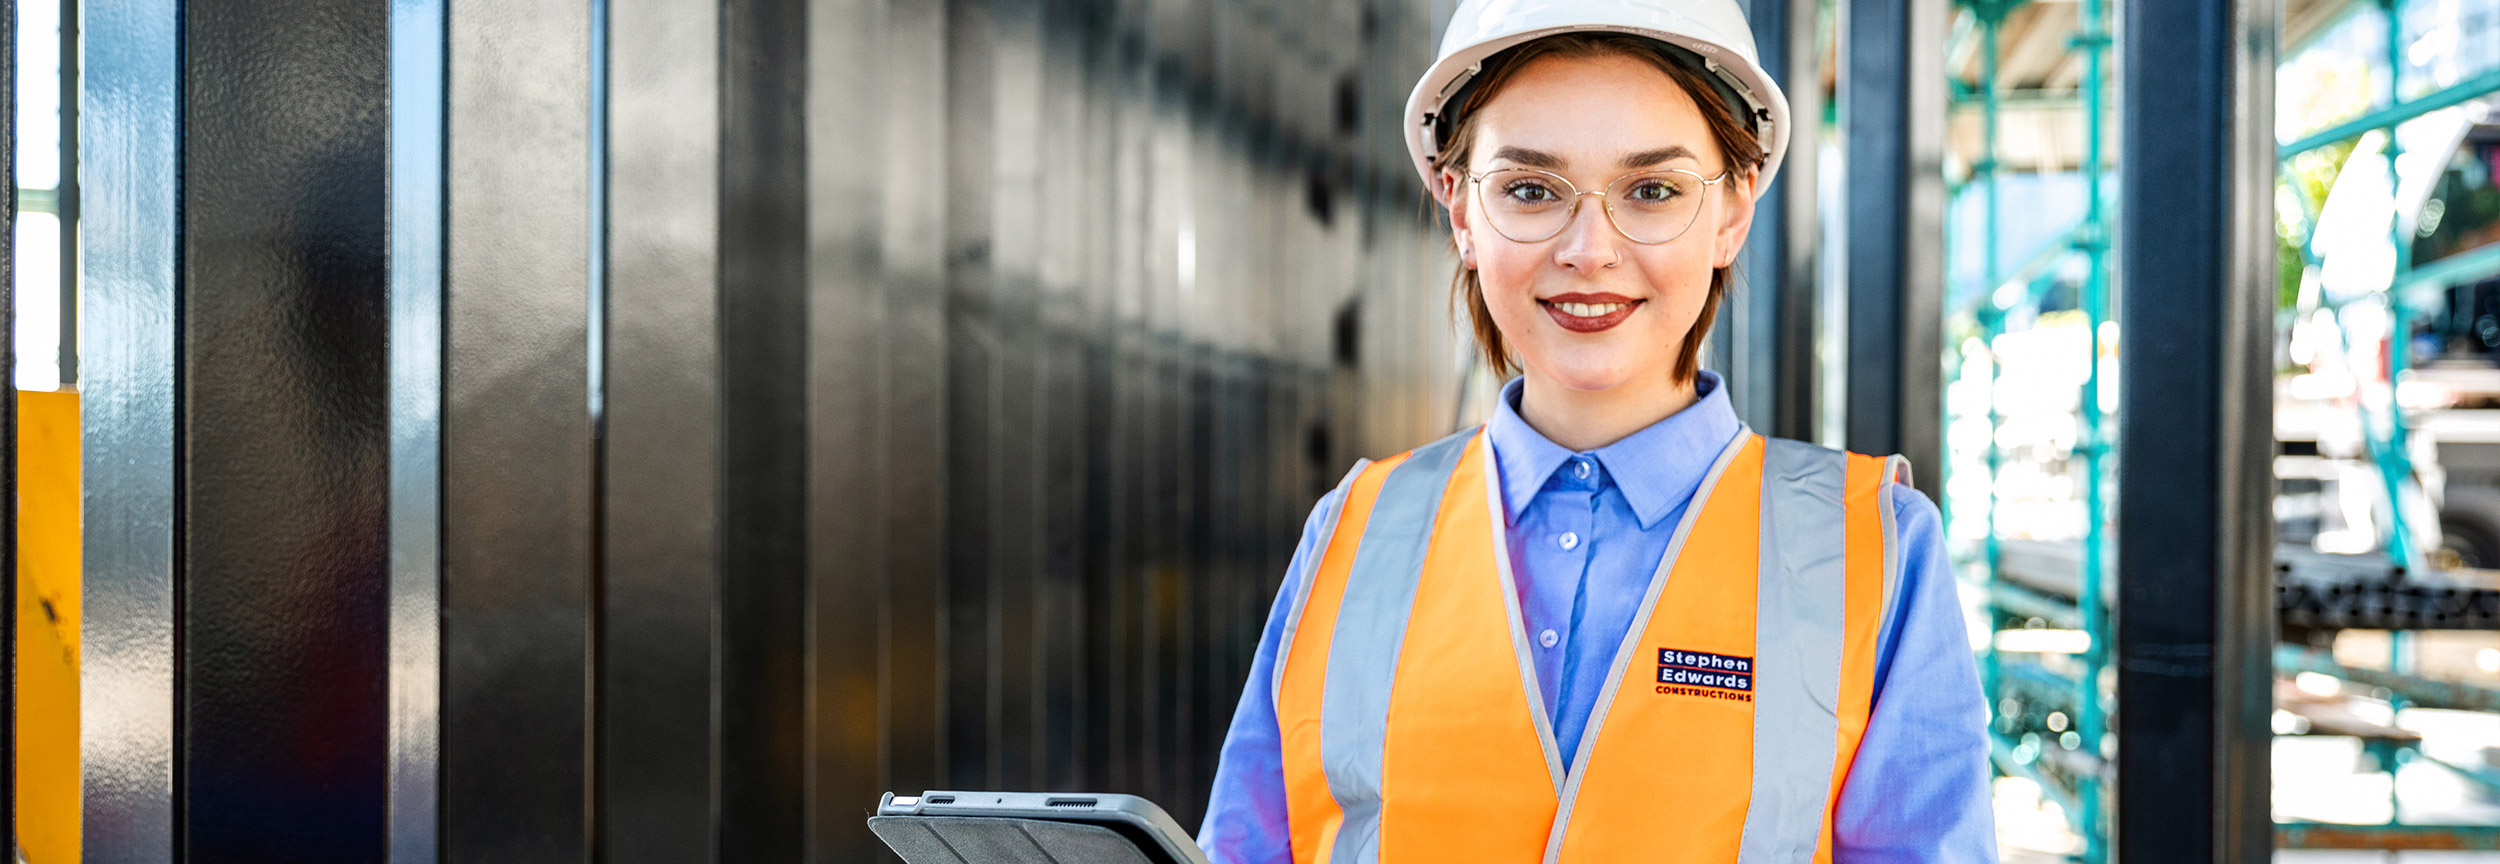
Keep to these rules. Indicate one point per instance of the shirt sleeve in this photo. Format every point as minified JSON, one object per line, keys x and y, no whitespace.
{"x":1918,"y":790}
{"x":1246,"y":809}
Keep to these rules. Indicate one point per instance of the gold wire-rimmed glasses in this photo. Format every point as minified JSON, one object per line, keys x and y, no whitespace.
{"x":1646,"y":207}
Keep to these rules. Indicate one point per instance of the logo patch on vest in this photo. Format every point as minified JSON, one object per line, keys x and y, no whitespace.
{"x":1700,"y":673}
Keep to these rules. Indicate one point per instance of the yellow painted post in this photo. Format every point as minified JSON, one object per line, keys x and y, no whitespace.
{"x":47,"y":626}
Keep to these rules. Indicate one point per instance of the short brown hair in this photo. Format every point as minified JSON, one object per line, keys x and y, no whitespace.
{"x":1728,"y":129}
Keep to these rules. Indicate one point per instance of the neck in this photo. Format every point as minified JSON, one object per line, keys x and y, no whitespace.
{"x":1588,"y":419}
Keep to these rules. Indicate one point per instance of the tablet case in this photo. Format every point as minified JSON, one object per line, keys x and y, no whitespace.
{"x":1000,"y":840}
{"x":955,"y":827}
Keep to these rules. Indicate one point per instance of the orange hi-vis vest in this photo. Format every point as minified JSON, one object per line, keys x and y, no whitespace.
{"x":1413,"y":729}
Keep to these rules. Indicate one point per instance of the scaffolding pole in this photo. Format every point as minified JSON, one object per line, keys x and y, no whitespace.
{"x":2091,"y":720}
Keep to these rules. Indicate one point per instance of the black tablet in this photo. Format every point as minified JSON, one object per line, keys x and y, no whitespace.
{"x":941,"y":827}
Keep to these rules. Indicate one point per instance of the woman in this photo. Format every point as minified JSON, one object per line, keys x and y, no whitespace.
{"x":1612,"y":624}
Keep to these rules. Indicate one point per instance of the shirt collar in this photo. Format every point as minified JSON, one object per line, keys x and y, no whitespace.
{"x":1657,"y":467}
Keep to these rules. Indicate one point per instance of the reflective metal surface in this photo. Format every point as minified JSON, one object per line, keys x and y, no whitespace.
{"x":284,"y":441}
{"x":761,"y":406}
{"x":661,"y":413}
{"x":518,"y":587}
{"x":416,"y":426}
{"x":127,"y":693}
{"x":846,"y":692}
{"x":763,"y":297}
{"x":1083,"y":350}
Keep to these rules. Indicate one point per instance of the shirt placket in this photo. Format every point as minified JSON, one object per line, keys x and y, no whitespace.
{"x":1565,"y":549}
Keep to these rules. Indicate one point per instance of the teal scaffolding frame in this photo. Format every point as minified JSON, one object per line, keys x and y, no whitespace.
{"x":2077,"y":787}
{"x":2386,"y":435}
{"x":2070,"y":773}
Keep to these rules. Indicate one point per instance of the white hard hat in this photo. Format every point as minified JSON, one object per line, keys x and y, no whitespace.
{"x":1714,"y":30}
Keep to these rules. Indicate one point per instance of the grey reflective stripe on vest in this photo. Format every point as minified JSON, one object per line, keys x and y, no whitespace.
{"x":1371,"y":627}
{"x":1897,"y":472}
{"x":1800,"y":625}
{"x":1310,"y":578}
{"x":1632,"y":642}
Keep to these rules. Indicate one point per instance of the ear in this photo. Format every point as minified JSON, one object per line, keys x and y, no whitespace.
{"x":1735,"y":218}
{"x":1450,"y":187}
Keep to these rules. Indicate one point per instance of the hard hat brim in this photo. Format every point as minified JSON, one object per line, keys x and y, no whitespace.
{"x":1764,"y":96}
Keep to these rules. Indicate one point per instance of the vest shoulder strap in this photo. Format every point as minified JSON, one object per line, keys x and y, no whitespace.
{"x":1310,"y":573}
{"x":1889,"y":476}
{"x":1443,"y":451}
{"x":1895,"y":482}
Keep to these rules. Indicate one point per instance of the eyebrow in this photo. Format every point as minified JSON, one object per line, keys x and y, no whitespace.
{"x":1530,"y":158}
{"x":1551,"y":162}
{"x":1648,"y":158}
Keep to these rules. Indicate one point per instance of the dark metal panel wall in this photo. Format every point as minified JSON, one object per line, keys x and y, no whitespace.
{"x":761,"y":406}
{"x":967,"y":446}
{"x":911,"y":383}
{"x":763,"y":348}
{"x":284,"y":486}
{"x":237,"y":423}
{"x":1070,"y":374}
{"x":1892,"y":108}
{"x":126,"y":638}
{"x":1015,"y":524}
{"x":847,"y":117}
{"x":2195,"y":615}
{"x":662,"y":534}
{"x":517,"y":450}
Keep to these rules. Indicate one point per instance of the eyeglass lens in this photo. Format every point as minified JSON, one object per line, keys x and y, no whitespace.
{"x":1649,"y":207}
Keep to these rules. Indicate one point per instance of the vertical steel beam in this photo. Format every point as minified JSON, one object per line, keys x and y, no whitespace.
{"x":2195,"y":596}
{"x":1748,"y":315}
{"x":1892,"y":102}
{"x":127,"y":690}
{"x":1017,"y":229}
{"x":911,"y":381}
{"x":283,"y":471}
{"x":417,"y":58}
{"x":847,"y":121}
{"x":66,"y":204}
{"x":2091,"y":714}
{"x":8,"y":420}
{"x":662,"y":525}
{"x":1098,"y":375}
{"x":518,"y":594}
{"x":1771,"y":376}
{"x":1069,"y":183}
{"x":763,"y":344}
{"x":971,"y":369}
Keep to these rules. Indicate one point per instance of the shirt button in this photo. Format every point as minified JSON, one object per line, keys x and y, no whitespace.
{"x":1580,"y":468}
{"x":1569,"y":540}
{"x":1548,"y":638}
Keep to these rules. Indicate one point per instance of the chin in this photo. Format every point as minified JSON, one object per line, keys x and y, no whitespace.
{"x":1637,"y":355}
{"x":1599,"y":374}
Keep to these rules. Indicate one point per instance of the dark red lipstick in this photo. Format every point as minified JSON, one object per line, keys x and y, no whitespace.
{"x":1588,"y":313}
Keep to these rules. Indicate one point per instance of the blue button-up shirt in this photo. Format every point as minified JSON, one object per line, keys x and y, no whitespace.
{"x":1586,"y":532}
